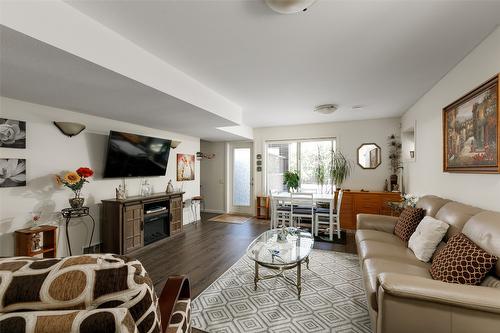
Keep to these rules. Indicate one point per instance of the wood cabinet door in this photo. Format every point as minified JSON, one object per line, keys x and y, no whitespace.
{"x":175,"y":215}
{"x":133,"y":228}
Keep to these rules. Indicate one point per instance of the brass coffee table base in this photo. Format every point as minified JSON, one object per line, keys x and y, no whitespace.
{"x":282,"y":269}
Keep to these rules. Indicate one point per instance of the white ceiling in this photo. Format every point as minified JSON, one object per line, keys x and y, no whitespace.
{"x":383,"y":55}
{"x":39,"y":73}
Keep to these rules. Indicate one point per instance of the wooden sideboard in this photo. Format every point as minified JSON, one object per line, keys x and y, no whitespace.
{"x":358,"y":202}
{"x":133,"y":223}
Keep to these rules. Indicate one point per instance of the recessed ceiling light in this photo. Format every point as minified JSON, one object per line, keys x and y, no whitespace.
{"x":326,"y":108}
{"x":357,"y":107}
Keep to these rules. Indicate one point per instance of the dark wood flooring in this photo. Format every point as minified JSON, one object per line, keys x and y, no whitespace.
{"x":206,"y":250}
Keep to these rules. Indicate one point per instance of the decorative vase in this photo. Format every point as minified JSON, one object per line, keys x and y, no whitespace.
{"x":76,"y":203}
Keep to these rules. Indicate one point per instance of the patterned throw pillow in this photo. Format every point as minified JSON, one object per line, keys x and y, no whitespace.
{"x":408,"y":222}
{"x":462,"y":261}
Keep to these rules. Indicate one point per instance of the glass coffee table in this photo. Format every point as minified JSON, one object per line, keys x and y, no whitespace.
{"x":281,"y":250}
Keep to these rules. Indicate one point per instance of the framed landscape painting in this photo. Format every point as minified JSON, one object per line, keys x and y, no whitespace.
{"x":470,"y":131}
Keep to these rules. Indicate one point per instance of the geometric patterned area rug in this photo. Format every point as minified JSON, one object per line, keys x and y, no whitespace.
{"x":332,"y":299}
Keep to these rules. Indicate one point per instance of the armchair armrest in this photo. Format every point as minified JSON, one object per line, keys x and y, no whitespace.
{"x":176,"y":287}
{"x":424,"y":289}
{"x":376,"y":222}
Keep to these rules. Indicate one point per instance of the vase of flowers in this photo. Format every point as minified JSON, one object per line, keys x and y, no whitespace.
{"x":74,"y":180}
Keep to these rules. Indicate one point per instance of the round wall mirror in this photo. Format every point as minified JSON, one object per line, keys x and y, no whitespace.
{"x":369,"y":156}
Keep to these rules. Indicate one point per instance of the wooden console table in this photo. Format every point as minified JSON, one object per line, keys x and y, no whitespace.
{"x":358,"y":202}
{"x":123,"y":225}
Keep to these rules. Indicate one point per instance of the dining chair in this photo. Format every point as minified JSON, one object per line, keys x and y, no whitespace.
{"x":280,"y":211}
{"x":332,"y":214}
{"x":302,"y":207}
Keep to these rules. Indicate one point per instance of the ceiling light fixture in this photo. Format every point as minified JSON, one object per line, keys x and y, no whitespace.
{"x":326,"y":108}
{"x":175,"y":144}
{"x":357,"y":107}
{"x":289,"y":6}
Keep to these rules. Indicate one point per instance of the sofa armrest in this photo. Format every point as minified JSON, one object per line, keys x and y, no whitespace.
{"x":425,"y":289}
{"x":176,"y":287}
{"x":376,"y":222}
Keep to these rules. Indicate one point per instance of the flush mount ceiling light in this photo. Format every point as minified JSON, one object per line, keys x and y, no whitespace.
{"x":326,"y":108}
{"x":69,"y":129}
{"x":289,"y":6}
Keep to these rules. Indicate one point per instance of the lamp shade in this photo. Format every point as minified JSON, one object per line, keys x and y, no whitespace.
{"x":69,"y":129}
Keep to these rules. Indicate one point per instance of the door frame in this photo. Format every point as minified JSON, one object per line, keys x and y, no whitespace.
{"x":232,"y":209}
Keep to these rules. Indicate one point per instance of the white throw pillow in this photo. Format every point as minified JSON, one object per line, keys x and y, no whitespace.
{"x":426,"y":238}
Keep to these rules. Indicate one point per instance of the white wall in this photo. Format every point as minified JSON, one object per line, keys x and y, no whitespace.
{"x":49,"y":152}
{"x":426,"y":174}
{"x":213,"y":177}
{"x":350,"y":135}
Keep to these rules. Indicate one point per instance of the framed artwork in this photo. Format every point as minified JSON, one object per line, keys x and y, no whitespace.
{"x":470,"y":131}
{"x":12,"y":133}
{"x":185,"y":167}
{"x":12,"y":172}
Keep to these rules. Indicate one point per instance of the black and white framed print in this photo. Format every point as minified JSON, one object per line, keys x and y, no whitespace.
{"x":12,"y":133}
{"x":12,"y":172}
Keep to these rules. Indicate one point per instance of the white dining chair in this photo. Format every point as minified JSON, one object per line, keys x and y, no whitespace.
{"x":302,"y":207}
{"x":280,"y":211}
{"x":332,"y":216}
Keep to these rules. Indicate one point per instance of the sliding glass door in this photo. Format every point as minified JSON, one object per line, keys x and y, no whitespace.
{"x":310,"y":158}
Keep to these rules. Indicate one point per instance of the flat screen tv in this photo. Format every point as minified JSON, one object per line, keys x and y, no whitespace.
{"x":132,"y":155}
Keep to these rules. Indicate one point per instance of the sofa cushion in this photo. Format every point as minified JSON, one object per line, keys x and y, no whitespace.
{"x":408,"y":222}
{"x":396,"y":252}
{"x":381,"y":236}
{"x":180,"y":322}
{"x":83,"y":321}
{"x":456,"y":214}
{"x":79,"y":282}
{"x":426,"y":237}
{"x":484,"y":230}
{"x":374,"y":266}
{"x":431,"y":204}
{"x":462,"y":261}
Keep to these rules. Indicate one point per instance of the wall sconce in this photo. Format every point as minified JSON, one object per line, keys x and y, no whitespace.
{"x":69,"y":129}
{"x":175,"y":144}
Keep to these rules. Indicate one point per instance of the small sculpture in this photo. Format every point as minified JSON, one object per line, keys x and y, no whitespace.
{"x":386,"y":186}
{"x":170,"y":187}
{"x":121,"y":192}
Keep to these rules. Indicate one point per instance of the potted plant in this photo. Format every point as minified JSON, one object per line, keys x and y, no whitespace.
{"x":74,"y":180}
{"x":340,"y":168}
{"x":292,"y":180}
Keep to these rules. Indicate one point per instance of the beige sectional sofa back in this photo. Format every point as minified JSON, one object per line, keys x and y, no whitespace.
{"x":480,"y":226}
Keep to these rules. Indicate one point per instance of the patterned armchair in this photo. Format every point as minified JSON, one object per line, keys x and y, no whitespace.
{"x":89,"y":293}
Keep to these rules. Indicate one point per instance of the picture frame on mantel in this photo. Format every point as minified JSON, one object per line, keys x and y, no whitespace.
{"x":471,"y":131}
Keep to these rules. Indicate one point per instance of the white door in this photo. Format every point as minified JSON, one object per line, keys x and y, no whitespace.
{"x":241,"y":176}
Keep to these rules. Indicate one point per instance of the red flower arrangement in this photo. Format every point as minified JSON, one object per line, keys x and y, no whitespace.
{"x":85,"y":172}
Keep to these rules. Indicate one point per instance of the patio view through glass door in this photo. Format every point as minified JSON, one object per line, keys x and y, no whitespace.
{"x":242,"y":178}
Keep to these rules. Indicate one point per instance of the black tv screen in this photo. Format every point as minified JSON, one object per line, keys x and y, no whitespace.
{"x":132,"y":155}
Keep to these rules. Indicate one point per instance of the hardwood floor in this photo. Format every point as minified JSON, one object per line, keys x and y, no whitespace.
{"x":206,"y":250}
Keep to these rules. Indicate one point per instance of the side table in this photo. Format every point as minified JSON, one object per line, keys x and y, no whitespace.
{"x":28,"y":241}
{"x":71,"y":213}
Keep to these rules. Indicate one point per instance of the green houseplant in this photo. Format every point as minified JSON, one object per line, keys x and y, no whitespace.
{"x":320,"y":171}
{"x":340,"y":168}
{"x":291,"y":179}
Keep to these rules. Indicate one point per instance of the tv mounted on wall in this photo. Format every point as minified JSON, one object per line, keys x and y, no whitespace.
{"x":132,"y":155}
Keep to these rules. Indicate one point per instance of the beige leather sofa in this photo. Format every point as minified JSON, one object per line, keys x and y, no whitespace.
{"x":403,"y":297}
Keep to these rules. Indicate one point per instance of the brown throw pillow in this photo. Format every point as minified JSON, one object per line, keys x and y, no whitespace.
{"x":462,"y":261}
{"x":408,"y":222}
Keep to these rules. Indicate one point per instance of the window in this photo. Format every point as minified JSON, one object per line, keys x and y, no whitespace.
{"x":310,"y":158}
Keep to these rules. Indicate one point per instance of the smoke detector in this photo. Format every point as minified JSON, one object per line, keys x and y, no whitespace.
{"x":326,"y":108}
{"x":289,"y":6}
